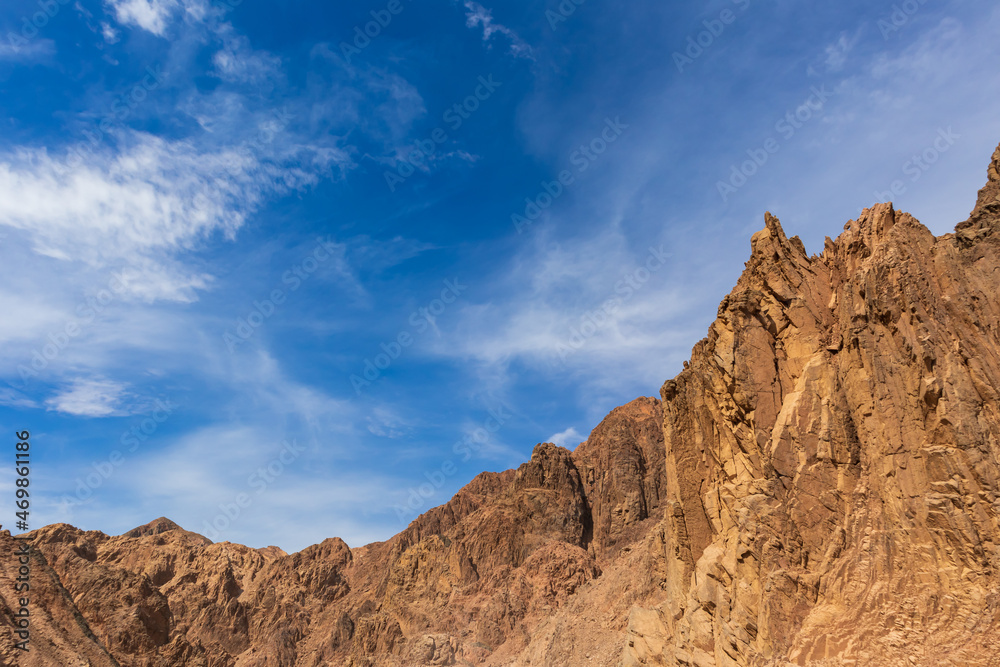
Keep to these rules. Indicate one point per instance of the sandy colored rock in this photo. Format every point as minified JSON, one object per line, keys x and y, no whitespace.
{"x":819,"y":487}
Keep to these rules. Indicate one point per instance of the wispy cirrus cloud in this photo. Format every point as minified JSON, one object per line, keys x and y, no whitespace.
{"x":36,"y":49}
{"x":145,"y":201}
{"x":16,"y":399}
{"x":89,"y":398}
{"x":837,"y":52}
{"x":477,"y":15}
{"x":238,"y":62}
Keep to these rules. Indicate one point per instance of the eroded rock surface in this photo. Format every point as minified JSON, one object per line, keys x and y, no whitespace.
{"x":820,"y":486}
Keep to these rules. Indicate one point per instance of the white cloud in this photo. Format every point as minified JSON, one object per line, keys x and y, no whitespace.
{"x":399,"y":103}
{"x":385,"y":423}
{"x":110,"y":34}
{"x":549,"y":291}
{"x":89,"y":398}
{"x":146,"y":202}
{"x":836,"y":53}
{"x":15,"y":399}
{"x":33,"y":315}
{"x":377,"y":256}
{"x":237,"y":62}
{"x":477,"y":15}
{"x":536,"y":316}
{"x":33,"y":50}
{"x":569,"y":438}
{"x":856,"y":140}
{"x":259,"y":386}
{"x":155,"y":15}
{"x":263,"y":408}
{"x":151,"y":15}
{"x":318,"y":483}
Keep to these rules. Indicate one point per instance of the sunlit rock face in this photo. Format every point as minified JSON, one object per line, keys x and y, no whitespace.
{"x":819,"y":486}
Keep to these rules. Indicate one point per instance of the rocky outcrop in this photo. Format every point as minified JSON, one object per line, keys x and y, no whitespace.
{"x":820,"y":486}
{"x":832,"y":454}
{"x":987,"y":209}
{"x":624,"y":476}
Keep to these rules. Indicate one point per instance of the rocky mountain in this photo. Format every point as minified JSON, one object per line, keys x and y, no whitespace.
{"x":820,"y":486}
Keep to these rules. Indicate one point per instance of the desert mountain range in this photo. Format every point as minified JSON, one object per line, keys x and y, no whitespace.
{"x":820,"y":486}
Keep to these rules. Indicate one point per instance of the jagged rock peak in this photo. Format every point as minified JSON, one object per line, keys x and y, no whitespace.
{"x":987,"y":208}
{"x":993,"y":173}
{"x":771,"y":243}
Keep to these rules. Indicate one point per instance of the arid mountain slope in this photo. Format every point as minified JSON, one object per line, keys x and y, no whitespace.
{"x":820,"y":486}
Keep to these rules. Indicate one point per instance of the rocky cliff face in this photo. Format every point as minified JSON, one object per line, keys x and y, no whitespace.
{"x":832,"y":454}
{"x":820,"y":486}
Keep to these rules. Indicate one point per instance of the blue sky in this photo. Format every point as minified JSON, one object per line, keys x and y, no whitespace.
{"x":280,"y":280}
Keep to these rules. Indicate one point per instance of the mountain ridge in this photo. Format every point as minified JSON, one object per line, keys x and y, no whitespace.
{"x":819,"y":486}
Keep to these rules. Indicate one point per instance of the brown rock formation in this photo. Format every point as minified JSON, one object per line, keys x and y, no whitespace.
{"x":820,"y":486}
